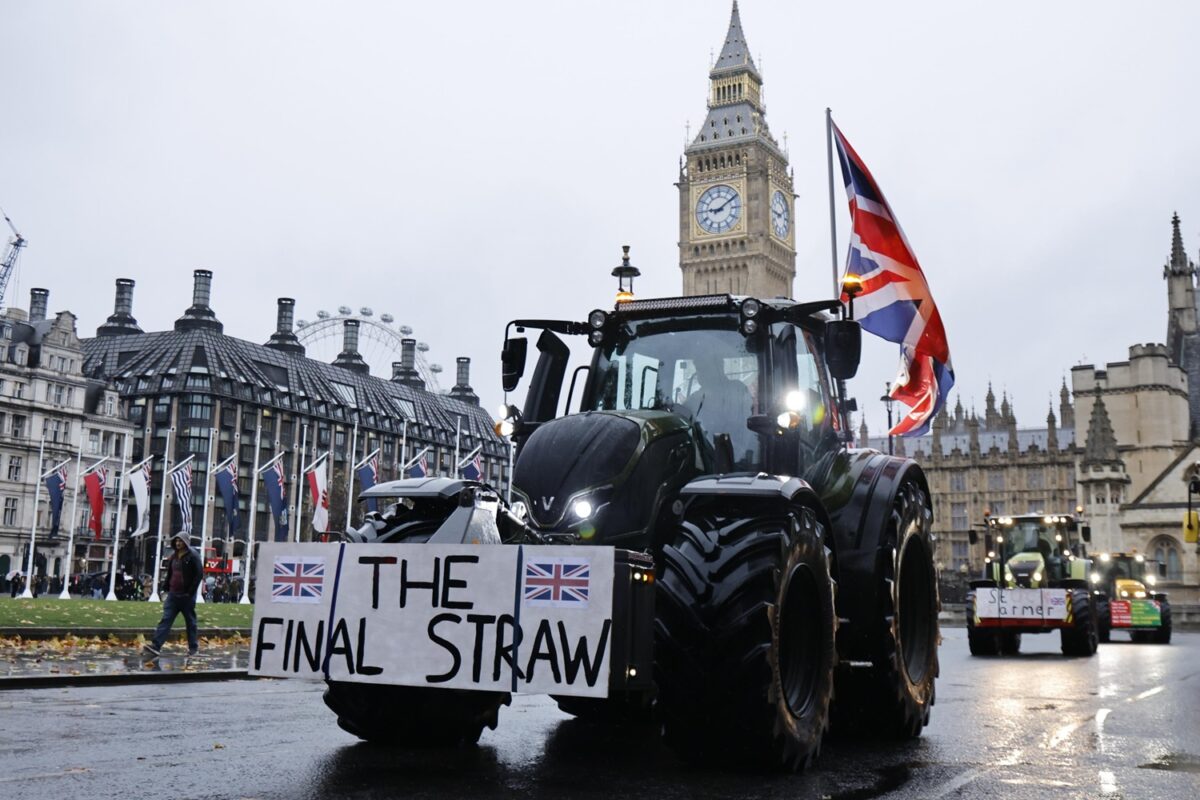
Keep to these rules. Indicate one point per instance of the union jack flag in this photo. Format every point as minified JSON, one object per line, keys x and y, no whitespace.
{"x":560,"y":582}
{"x":297,"y":579}
{"x":895,"y":303}
{"x":473,"y":471}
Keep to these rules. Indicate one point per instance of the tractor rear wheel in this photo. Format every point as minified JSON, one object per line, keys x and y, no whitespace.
{"x":413,"y":717}
{"x":894,"y":696}
{"x":1103,"y":618}
{"x":1082,"y":638}
{"x":744,"y":638}
{"x":1009,"y":643}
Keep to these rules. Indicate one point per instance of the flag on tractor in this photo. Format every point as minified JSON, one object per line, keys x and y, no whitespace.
{"x":318,"y":488}
{"x":227,"y":477}
{"x":139,"y":481}
{"x":368,"y":476}
{"x":473,"y":471}
{"x":276,"y":486}
{"x":181,"y":479}
{"x":56,"y":484}
{"x":895,"y":302}
{"x":94,"y":482}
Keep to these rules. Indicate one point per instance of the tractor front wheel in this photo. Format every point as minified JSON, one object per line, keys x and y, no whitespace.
{"x":1082,"y":638}
{"x":981,"y":642}
{"x":744,"y":638}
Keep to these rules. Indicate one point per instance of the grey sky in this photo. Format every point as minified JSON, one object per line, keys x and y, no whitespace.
{"x":459,"y":164}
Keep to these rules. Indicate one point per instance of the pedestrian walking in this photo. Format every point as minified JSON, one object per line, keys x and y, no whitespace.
{"x":184,"y":573}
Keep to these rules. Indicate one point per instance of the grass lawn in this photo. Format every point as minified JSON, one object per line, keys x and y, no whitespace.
{"x":70,"y":614}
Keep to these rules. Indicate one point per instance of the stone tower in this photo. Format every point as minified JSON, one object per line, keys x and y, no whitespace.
{"x":736,"y":205}
{"x":1180,"y":274}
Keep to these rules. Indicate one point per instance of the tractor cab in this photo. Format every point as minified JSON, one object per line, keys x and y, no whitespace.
{"x":1125,"y":575}
{"x":1035,"y":551}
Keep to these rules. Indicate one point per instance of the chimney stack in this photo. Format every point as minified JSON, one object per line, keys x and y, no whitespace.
{"x":121,"y":322}
{"x":200,"y":315}
{"x":404,"y":371}
{"x":284,"y":338}
{"x":349,"y":358}
{"x":38,"y":300}
{"x":462,"y":388}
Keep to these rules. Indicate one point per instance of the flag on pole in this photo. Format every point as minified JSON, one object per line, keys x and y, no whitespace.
{"x":181,"y":479}
{"x":368,"y":476}
{"x":227,"y":485}
{"x":318,"y":488}
{"x":473,"y":471}
{"x":273,"y":479}
{"x":94,"y":482}
{"x":139,"y":481}
{"x":419,"y":469}
{"x":56,"y":483}
{"x":895,"y":302}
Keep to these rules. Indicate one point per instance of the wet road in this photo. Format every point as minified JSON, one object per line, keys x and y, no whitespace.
{"x":1125,"y":724}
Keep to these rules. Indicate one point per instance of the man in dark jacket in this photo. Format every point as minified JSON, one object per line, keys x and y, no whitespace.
{"x":184,"y":573}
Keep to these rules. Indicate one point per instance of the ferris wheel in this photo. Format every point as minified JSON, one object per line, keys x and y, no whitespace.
{"x":378,"y":341}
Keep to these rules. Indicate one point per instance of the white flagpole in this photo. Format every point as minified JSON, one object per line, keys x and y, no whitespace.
{"x":457,"y":438}
{"x":403,"y":448}
{"x":253,"y":514}
{"x":37,"y":496}
{"x":511,"y":454}
{"x":208,"y":471}
{"x":162,"y":508}
{"x":116,"y":542}
{"x":64,"y":594}
{"x":833,"y":248}
{"x":467,"y":458}
{"x":300,"y":481}
{"x":350,"y":475}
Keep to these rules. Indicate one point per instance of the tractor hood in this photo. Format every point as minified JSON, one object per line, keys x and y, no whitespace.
{"x":1129,"y":589}
{"x":1023,"y":567}
{"x":585,"y":455}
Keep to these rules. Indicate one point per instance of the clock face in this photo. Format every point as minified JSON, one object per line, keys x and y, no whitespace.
{"x":781,"y":218}
{"x":719,"y":209}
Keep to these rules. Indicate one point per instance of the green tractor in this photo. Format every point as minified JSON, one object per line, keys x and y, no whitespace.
{"x":1035,"y":580}
{"x":1123,"y":586}
{"x":792,"y":579}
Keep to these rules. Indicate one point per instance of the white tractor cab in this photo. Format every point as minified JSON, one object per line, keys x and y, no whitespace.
{"x":1124,"y":591}
{"x":1035,"y":580}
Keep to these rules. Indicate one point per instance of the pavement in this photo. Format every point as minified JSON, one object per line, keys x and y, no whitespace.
{"x":74,"y":660}
{"x":1122,"y":724}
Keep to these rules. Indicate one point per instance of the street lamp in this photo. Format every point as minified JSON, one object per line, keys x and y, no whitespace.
{"x":625,"y":274}
{"x":888,"y":401}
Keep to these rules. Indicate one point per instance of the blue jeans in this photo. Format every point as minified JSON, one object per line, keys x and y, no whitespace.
{"x":178,"y":604}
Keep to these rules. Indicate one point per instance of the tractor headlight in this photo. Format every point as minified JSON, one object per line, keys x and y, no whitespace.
{"x":582,"y":509}
{"x":1152,"y":579}
{"x":795,"y":401}
{"x":749,"y":326}
{"x":1105,"y":557}
{"x":750,"y":308}
{"x":504,"y":428}
{"x":1139,"y":593}
{"x":597,"y":319}
{"x":1037,"y":577}
{"x":520,"y":510}
{"x":1124,"y":593}
{"x":596,"y":338}
{"x":1095,"y":577}
{"x":788,"y":420}
{"x":1139,"y":558}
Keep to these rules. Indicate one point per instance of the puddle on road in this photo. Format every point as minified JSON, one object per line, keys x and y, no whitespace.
{"x":1174,"y":762}
{"x":888,"y":779}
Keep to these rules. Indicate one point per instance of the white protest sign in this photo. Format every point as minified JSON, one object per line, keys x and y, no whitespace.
{"x":501,"y":618}
{"x":1030,"y":604}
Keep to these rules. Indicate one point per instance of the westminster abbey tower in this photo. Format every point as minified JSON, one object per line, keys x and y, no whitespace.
{"x":736,"y":211}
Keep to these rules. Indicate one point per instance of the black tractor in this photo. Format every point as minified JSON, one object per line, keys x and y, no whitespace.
{"x":795,"y":587}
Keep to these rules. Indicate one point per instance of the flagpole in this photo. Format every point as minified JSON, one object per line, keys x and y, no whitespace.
{"x":457,"y":438}
{"x":116,"y":542}
{"x":162,"y":508}
{"x":64,"y":594}
{"x":208,"y":471}
{"x":403,"y":448}
{"x":350,"y":475}
{"x":299,"y":480}
{"x":253,"y":514}
{"x":511,"y":455}
{"x":37,"y":497}
{"x":833,"y":248}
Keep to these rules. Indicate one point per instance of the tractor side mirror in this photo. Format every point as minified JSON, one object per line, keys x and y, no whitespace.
{"x":973,"y":537}
{"x":512,"y":361}
{"x":1086,"y":533}
{"x":843,"y":348}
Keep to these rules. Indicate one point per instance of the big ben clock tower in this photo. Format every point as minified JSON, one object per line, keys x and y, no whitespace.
{"x":736,"y":220}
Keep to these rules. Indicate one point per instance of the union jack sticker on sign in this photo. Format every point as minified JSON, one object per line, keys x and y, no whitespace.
{"x":557,"y":582}
{"x":297,"y":579}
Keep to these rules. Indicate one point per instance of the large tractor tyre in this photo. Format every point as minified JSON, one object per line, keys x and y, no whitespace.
{"x":893,"y":697}
{"x":1009,"y":643}
{"x":625,"y":708}
{"x":1163,"y":634}
{"x":1082,"y":638}
{"x":1103,"y":619}
{"x":413,"y":717}
{"x":744,"y":639}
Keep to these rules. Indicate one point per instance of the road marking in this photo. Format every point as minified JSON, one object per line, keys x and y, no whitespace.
{"x":1061,"y":734}
{"x":962,"y":779}
{"x":1108,"y":782}
{"x":1147,"y":693}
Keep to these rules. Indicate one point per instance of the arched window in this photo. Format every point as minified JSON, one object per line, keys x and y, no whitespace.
{"x":1166,"y":552}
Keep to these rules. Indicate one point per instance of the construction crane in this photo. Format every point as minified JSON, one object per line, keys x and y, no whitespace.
{"x":10,"y":256}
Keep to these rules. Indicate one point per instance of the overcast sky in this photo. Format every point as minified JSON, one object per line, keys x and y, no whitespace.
{"x":461,"y":164}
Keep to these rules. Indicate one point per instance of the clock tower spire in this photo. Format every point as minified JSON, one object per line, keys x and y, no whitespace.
{"x":736,"y":223}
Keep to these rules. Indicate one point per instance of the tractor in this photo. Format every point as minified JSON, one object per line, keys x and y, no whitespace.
{"x":1123,"y":586}
{"x":783,"y":582}
{"x":1035,"y":580}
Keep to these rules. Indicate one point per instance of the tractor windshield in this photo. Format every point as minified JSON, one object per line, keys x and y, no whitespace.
{"x":1030,"y":536}
{"x":699,"y":367}
{"x":1131,"y":567}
